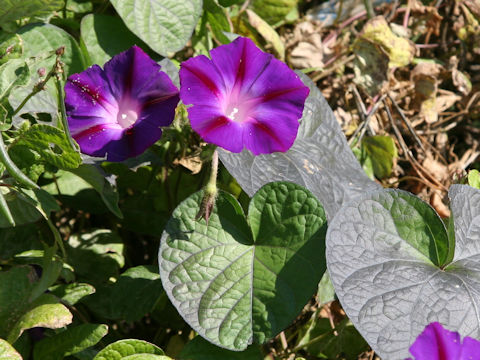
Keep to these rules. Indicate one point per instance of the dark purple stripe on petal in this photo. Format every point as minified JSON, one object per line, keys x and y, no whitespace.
{"x":159,"y":100}
{"x":268,"y":131}
{"x":214,"y":124}
{"x":203,"y":78}
{"x":275,"y":94}
{"x":94,"y":130}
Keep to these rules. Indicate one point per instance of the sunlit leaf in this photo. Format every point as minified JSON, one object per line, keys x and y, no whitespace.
{"x":12,"y":10}
{"x":164,"y":25}
{"x":70,"y":341}
{"x":127,"y":350}
{"x":382,"y":152}
{"x":386,"y":257}
{"x":236,"y":280}
{"x":8,"y":352}
{"x":105,"y":36}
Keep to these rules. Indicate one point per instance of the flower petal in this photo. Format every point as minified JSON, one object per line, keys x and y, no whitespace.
{"x":266,"y":134}
{"x":119,"y":111}
{"x":134,"y":74}
{"x":470,"y":349}
{"x":240,"y":63}
{"x":88,"y":100}
{"x":200,"y":82}
{"x":436,"y":343}
{"x":96,"y":140}
{"x":290,"y":92}
{"x":215,"y":128}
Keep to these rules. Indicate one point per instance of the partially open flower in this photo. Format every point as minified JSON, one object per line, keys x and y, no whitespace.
{"x":437,"y":343}
{"x":119,"y":111}
{"x":243,"y":97}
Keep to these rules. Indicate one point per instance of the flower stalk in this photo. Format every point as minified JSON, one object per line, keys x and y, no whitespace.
{"x":210,"y":191}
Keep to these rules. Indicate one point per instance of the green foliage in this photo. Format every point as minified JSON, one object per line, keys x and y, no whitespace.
{"x":200,"y":349}
{"x":7,"y":351}
{"x":68,"y":342}
{"x":97,"y":32}
{"x":45,"y":312}
{"x":381,"y":152}
{"x":72,"y":293}
{"x":13,"y":73}
{"x":474,"y":179}
{"x":273,"y":11}
{"x":12,"y":10}
{"x":250,"y":269}
{"x":164,"y":25}
{"x":217,"y":19}
{"x":131,"y":349}
{"x":319,"y":339}
{"x":11,"y":47}
{"x":107,"y":192}
{"x":52,"y":144}
{"x":27,"y":206}
{"x":227,"y":3}
{"x":95,"y":256}
{"x":133,"y":295}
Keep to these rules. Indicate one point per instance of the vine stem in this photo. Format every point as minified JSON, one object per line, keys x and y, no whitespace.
{"x":12,"y":169}
{"x":5,"y":210}
{"x":210,"y":191}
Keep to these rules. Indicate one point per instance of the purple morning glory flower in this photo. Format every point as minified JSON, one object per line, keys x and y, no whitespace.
{"x":119,"y":110}
{"x":243,"y":97}
{"x":438,"y":343}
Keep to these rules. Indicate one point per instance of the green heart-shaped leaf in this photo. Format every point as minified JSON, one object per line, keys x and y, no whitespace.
{"x":239,"y":280}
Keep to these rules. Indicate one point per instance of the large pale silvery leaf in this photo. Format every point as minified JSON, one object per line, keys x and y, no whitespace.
{"x":239,"y":280}
{"x":164,"y":25}
{"x":393,"y":272}
{"x":320,"y":159}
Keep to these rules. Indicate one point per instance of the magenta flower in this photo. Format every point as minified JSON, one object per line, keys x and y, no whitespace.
{"x":243,"y":97}
{"x":437,"y":343}
{"x":119,"y":111}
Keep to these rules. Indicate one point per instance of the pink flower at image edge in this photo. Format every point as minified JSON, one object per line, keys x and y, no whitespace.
{"x":118,"y":111}
{"x":438,"y":343}
{"x":243,"y":98}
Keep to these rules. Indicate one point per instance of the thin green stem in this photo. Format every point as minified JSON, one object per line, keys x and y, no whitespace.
{"x":5,"y":210}
{"x":63,"y":110}
{"x":36,"y":89}
{"x":212,"y":181}
{"x":313,"y":341}
{"x":12,"y":169}
{"x":57,"y":237}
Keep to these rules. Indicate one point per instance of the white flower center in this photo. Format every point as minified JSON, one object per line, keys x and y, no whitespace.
{"x":127,"y":118}
{"x":232,"y":114}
